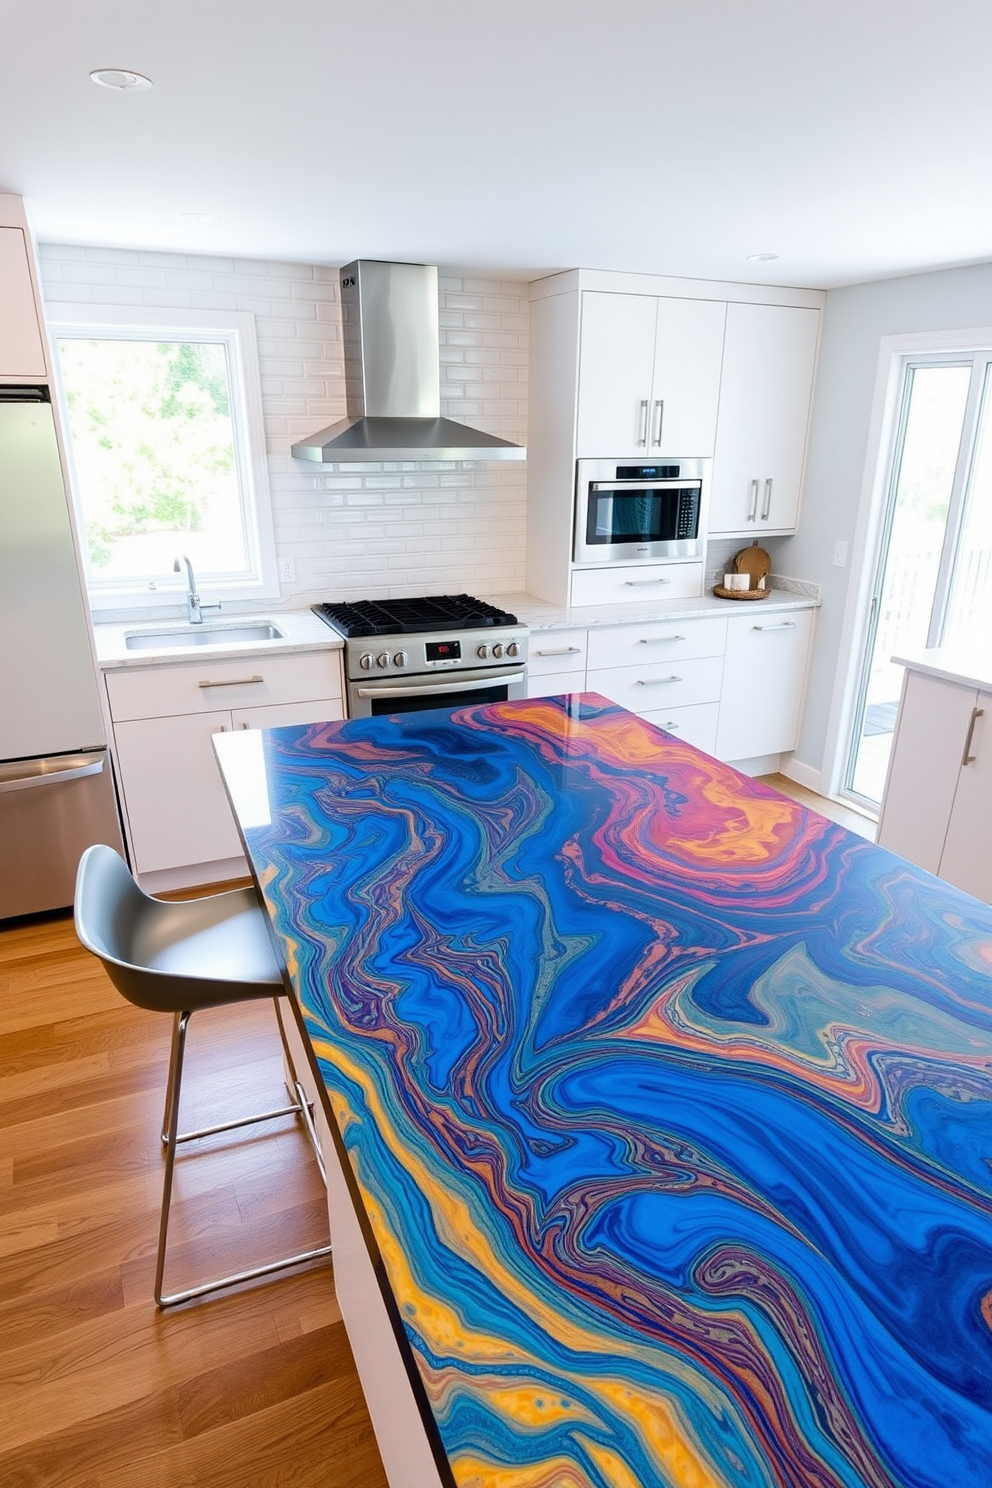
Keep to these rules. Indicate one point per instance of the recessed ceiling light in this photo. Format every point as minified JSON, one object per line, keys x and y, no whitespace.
{"x":201,"y":217}
{"x":120,"y":79}
{"x":761,"y":257}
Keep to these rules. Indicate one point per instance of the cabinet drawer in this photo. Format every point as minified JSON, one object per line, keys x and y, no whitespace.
{"x":287,"y":715}
{"x":635,"y":583}
{"x":556,"y":651}
{"x":656,"y":641}
{"x":695,"y":724}
{"x":649,"y":689}
{"x":203,"y":687}
{"x":555,"y":683}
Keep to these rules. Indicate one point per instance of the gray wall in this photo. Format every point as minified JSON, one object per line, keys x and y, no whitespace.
{"x":855,"y":320}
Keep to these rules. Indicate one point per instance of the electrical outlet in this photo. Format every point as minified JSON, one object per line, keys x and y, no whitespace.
{"x":840,"y":554}
{"x":287,"y":570}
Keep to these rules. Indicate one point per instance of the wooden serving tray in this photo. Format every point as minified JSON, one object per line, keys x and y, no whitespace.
{"x":741,"y":593}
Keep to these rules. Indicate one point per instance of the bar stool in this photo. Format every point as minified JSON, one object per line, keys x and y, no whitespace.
{"x":178,"y":957}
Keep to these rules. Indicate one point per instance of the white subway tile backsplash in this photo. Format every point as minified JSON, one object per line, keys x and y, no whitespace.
{"x":353,"y":530}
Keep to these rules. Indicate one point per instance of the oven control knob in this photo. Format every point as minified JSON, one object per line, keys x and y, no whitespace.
{"x":382,"y":659}
{"x":513,"y":649}
{"x":498,"y":650}
{"x":366,"y":661}
{"x":400,"y":659}
{"x":482,"y":651}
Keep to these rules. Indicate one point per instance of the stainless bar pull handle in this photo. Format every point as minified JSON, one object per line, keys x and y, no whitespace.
{"x":562,"y":651}
{"x":498,"y":679}
{"x":656,"y":681}
{"x":659,"y":414}
{"x":642,"y":437}
{"x":642,"y":583}
{"x":53,"y":777}
{"x":783,"y":625}
{"x":968,"y":758}
{"x":232,"y":682}
{"x":656,"y":640}
{"x":766,"y":505}
{"x":752,"y":502}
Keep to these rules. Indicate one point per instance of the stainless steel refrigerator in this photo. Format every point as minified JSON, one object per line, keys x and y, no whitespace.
{"x":56,"y":787}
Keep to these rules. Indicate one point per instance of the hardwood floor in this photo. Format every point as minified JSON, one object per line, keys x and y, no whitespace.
{"x":255,"y":1388}
{"x":846,"y":816}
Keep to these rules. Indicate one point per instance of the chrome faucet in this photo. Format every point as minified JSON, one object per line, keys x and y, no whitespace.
{"x":193,"y":604}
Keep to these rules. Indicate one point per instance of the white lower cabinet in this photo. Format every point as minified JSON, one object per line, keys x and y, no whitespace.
{"x":556,"y":662}
{"x":176,"y":807}
{"x":696,"y":724}
{"x":732,"y":685}
{"x":763,"y":684}
{"x":164,"y":720}
{"x":937,"y":809}
{"x":667,"y":671}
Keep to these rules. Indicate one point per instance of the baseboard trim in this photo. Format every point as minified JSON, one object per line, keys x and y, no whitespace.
{"x":802,"y":774}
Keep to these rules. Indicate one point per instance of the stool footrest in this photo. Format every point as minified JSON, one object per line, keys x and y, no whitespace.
{"x":211,"y":1131}
{"x":227,"y":1281}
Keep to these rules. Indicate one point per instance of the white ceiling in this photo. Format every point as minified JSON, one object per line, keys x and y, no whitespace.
{"x":851,"y":137}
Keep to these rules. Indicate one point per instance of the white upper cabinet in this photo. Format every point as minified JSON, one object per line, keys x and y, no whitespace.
{"x":766,"y":389}
{"x":22,"y":347}
{"x":649,"y":376}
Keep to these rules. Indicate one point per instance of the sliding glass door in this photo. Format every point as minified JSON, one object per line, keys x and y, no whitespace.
{"x":933,"y":575}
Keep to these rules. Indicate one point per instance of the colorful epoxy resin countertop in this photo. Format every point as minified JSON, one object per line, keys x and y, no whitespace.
{"x":668,"y":1102}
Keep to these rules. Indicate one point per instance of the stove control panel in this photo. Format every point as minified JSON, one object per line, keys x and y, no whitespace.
{"x":433,"y":653}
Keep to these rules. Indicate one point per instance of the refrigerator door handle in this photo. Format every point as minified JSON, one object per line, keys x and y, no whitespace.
{"x":52,"y":777}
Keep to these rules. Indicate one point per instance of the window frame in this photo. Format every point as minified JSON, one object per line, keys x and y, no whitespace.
{"x":236,"y":330}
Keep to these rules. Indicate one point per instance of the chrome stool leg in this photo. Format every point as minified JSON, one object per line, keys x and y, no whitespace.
{"x":173,"y":1137}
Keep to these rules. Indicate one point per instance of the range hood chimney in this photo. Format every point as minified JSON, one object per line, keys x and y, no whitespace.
{"x":392,"y":375}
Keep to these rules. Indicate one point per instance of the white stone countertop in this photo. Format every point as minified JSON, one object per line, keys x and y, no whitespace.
{"x":966,"y":665}
{"x":300,"y":630}
{"x":539,"y":615}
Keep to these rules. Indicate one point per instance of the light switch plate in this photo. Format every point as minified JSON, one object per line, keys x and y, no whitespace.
{"x":840,"y":554}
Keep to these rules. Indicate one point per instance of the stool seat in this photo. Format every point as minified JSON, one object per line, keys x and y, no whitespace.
{"x":180,"y":957}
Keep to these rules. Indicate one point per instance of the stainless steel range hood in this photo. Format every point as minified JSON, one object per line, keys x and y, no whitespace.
{"x":392,"y":375}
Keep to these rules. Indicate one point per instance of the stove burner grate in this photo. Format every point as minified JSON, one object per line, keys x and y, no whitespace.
{"x":371,"y":617}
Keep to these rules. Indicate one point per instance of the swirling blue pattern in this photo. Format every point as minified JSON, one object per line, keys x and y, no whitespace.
{"x":669,"y":1102}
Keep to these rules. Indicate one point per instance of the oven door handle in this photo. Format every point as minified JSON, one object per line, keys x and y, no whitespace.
{"x":497,"y":679}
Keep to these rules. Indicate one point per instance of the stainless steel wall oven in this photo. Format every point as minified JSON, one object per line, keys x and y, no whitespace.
{"x":627,"y":513}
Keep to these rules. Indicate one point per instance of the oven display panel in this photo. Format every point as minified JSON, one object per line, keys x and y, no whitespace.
{"x":443,"y":650}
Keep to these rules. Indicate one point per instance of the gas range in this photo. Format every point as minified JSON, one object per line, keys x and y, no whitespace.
{"x":400,"y":654}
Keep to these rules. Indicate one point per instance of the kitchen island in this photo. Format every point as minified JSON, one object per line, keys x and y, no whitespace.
{"x":663,"y":1105}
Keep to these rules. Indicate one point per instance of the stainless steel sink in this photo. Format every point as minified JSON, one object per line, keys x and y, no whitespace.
{"x":201,"y":635}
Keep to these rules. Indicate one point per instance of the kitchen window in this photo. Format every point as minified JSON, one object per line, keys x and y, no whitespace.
{"x":167,"y":453}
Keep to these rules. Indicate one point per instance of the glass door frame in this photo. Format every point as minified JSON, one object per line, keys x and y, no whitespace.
{"x":900,"y":376}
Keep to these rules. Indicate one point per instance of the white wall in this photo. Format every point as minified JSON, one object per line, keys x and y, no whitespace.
{"x":360,"y":530}
{"x":855,"y":320}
